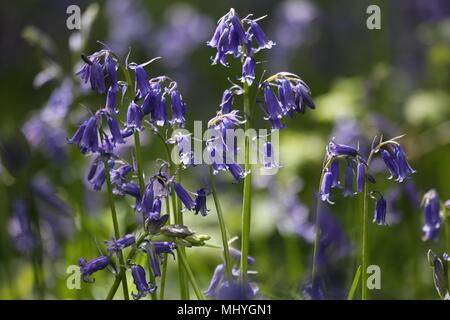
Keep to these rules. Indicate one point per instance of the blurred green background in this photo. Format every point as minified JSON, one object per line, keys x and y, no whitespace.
{"x":364,"y":82}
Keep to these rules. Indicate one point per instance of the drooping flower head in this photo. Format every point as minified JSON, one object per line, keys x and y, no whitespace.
{"x":431,"y":209}
{"x":87,"y":268}
{"x":115,"y":246}
{"x":143,"y":287}
{"x":200,"y":202}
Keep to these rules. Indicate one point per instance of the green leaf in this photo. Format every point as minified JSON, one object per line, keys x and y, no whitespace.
{"x":355,"y":282}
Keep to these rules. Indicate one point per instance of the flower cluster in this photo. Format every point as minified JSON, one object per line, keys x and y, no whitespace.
{"x":357,"y":168}
{"x":100,"y":135}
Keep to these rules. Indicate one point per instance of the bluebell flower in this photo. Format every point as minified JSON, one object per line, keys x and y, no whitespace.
{"x":142,"y":80}
{"x":178,"y":109}
{"x":431,"y":209}
{"x":259,"y":36}
{"x":86,"y":137}
{"x":227,"y":102}
{"x":164,"y":247}
{"x":114,"y":246}
{"x":236,"y":290}
{"x":97,"y":181}
{"x":303,"y":97}
{"x":131,"y":189}
{"x":215,"y":152}
{"x":142,"y":286}
{"x":269,"y":161}
{"x":360,"y":177}
{"x":92,"y":71}
{"x":200,"y":202}
{"x":404,"y":169}
{"x":20,"y":230}
{"x":274,"y":109}
{"x":155,"y":213}
{"x":152,"y":100}
{"x":348,"y":181}
{"x":236,"y":171}
{"x":286,"y":95}
{"x":146,"y":204}
{"x":215,"y":281}
{"x":183,"y":195}
{"x":391,"y":164}
{"x":334,"y":169}
{"x":111,"y":69}
{"x":380,"y":211}
{"x":111,"y":101}
{"x":114,"y":128}
{"x":248,"y":70}
{"x":118,"y":175}
{"x":336,"y":149}
{"x":160,"y":114}
{"x":134,"y":116}
{"x":183,"y":143}
{"x":325,"y":188}
{"x":236,"y":255}
{"x":89,"y":267}
{"x":276,"y":123}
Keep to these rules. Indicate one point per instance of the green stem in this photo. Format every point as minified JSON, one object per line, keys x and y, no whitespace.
{"x":130,"y":256}
{"x":365,"y":233}
{"x":164,"y":268}
{"x":247,"y":199}
{"x":137,"y":147}
{"x":447,"y":235}
{"x":223,"y":229}
{"x":116,"y":230}
{"x":190,"y":275}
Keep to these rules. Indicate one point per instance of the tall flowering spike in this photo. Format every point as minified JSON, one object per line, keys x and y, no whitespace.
{"x":348,"y":187}
{"x":391,"y":164}
{"x":360,"y":177}
{"x":334,"y":169}
{"x":89,"y":267}
{"x":114,"y":246}
{"x":183,"y":195}
{"x":111,"y":101}
{"x":287,"y":97}
{"x":325,"y":188}
{"x":259,"y":36}
{"x":114,"y":128}
{"x":236,"y":171}
{"x":178,"y":109}
{"x":248,"y":70}
{"x":404,"y":169}
{"x":431,"y":209}
{"x":142,"y":286}
{"x":134,"y":116}
{"x":142,"y":80}
{"x":227,"y":102}
{"x":200,"y":202}
{"x":380,"y":211}
{"x":336,"y":149}
{"x":274,"y":109}
{"x":160,"y":115}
